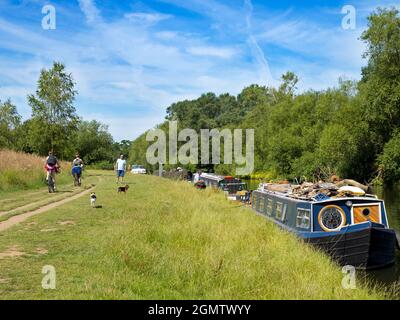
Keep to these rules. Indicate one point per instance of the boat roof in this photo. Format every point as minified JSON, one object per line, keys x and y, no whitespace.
{"x":319,"y":195}
{"x":297,"y":199}
{"x":216,"y":177}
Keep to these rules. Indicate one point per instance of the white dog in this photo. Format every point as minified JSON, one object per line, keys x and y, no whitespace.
{"x":93,"y":199}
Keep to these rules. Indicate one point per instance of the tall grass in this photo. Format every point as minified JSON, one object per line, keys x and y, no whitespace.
{"x":21,"y":171}
{"x":166,"y":240}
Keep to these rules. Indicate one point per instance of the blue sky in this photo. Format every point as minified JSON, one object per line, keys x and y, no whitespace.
{"x":131,"y":59}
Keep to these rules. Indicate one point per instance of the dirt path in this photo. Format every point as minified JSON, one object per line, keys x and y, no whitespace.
{"x":22,"y":217}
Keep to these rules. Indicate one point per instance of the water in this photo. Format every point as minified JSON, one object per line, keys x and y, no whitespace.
{"x":392,"y":203}
{"x":391,"y":195}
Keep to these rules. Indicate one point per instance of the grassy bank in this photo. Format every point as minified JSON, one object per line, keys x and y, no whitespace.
{"x":21,"y":171}
{"x":163,"y":240}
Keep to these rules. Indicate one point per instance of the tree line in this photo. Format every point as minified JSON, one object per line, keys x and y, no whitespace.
{"x":350,"y":130}
{"x":55,"y":126}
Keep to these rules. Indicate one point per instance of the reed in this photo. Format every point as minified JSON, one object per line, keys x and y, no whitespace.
{"x":22,"y":171}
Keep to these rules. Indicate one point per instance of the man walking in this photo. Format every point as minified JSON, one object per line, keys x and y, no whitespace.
{"x":120,"y":168}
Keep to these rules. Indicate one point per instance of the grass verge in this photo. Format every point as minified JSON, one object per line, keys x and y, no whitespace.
{"x":163,"y":240}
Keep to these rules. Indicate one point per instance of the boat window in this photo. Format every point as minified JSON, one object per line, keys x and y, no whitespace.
{"x":331,"y":218}
{"x":303,"y":218}
{"x":281,"y":211}
{"x":270,"y":207}
{"x":261,"y":203}
{"x":254,"y":201}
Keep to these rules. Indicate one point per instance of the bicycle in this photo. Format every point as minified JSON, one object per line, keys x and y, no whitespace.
{"x":51,"y":172}
{"x":51,"y":184}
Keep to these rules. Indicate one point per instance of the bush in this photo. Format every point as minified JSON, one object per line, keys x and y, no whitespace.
{"x":389,"y":160}
{"x":102,"y":165}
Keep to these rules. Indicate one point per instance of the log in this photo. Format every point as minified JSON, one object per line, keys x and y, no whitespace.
{"x":353,"y":183}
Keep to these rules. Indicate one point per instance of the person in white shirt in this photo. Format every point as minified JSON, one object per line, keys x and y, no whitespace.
{"x":196,"y":177}
{"x":120,"y":168}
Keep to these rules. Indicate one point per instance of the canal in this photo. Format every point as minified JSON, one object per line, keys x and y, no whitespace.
{"x":391,"y":195}
{"x":392,"y":203}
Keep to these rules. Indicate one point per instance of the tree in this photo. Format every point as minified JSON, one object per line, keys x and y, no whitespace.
{"x":253,"y":96}
{"x":137,"y":154}
{"x":53,"y":106}
{"x":336,"y":146}
{"x":289,"y":82}
{"x":10,"y":120}
{"x":389,"y":160}
{"x":94,"y":143}
{"x":123,"y":147}
{"x":380,"y":84}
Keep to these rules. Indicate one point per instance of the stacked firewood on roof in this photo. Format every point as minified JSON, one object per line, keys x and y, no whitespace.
{"x":308,"y":191}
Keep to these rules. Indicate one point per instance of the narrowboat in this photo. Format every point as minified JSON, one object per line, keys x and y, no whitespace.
{"x":230,"y":185}
{"x":351,"y":226}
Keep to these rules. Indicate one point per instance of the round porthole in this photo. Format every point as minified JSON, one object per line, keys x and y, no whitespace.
{"x":366,"y":212}
{"x":331,"y":218}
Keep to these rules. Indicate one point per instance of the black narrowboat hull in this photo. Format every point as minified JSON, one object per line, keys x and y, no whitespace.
{"x":368,"y":248}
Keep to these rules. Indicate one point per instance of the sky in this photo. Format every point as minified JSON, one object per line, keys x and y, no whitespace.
{"x":131,"y":59}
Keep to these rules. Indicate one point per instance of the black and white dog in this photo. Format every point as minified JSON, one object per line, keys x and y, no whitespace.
{"x":93,"y":199}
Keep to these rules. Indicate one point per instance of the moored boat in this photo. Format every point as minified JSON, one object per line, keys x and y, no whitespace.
{"x":232,"y":186}
{"x":351,"y":226}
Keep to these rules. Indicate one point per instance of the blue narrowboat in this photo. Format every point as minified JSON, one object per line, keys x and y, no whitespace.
{"x":353,"y":230}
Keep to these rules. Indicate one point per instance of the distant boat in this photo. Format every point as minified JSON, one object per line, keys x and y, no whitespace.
{"x":231,"y":185}
{"x":353,"y":230}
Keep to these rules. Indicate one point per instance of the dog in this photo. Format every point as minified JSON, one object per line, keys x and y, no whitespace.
{"x":123,"y":189}
{"x":93,"y":199}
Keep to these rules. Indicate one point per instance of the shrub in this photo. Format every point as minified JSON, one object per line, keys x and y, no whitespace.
{"x":389,"y":160}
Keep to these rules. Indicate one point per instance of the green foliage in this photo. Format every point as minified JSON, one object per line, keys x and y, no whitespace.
{"x":137,"y":153}
{"x":336,"y":144}
{"x":380,"y":85}
{"x":53,"y":109}
{"x":9,"y":121}
{"x":290,"y":81}
{"x":101,"y":165}
{"x":123,"y":147}
{"x":93,"y":142}
{"x":389,"y":160}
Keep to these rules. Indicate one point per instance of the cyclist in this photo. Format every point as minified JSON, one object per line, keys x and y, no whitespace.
{"x":51,"y":167}
{"x":77,"y":166}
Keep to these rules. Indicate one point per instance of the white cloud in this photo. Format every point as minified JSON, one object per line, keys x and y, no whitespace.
{"x":90,"y":10}
{"x":150,"y":18}
{"x":224,"y":53}
{"x":166,"y":35}
{"x":126,"y":127}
